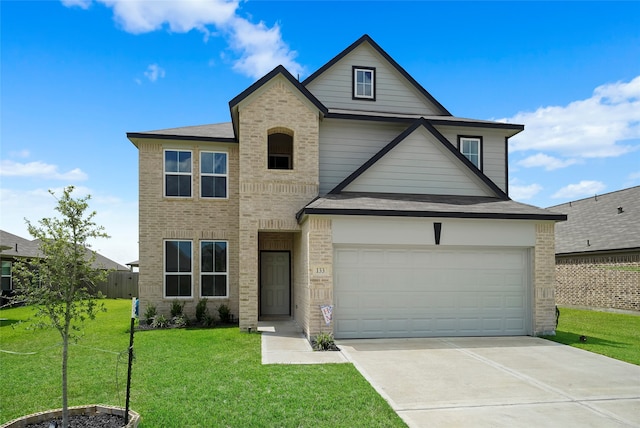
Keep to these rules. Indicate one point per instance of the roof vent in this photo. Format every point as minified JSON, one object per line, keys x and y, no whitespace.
{"x":620,"y":210}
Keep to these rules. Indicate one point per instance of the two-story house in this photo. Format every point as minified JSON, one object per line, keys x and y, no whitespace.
{"x":353,"y":190}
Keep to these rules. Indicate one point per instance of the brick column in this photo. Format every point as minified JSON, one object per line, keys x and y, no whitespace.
{"x":544,"y":317}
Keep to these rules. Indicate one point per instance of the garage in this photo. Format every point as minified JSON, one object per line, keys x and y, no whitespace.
{"x":413,"y":291}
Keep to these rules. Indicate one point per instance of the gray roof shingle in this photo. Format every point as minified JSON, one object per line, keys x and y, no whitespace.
{"x":596,"y":223}
{"x":387,"y":204}
{"x":222,"y":131}
{"x":15,"y":246}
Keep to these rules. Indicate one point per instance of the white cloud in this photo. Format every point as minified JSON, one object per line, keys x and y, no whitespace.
{"x":83,"y":4}
{"x":548,"y":162}
{"x":520,"y":192}
{"x":23,"y":154}
{"x":39,"y":169}
{"x":591,"y":128}
{"x":583,"y":188}
{"x":154,"y":71}
{"x":257,"y":48}
{"x":118,"y":217}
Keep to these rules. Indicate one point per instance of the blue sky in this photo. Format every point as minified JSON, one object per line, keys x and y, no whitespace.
{"x":78,"y":74}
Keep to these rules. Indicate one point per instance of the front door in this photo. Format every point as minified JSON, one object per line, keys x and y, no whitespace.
{"x":275,"y":283}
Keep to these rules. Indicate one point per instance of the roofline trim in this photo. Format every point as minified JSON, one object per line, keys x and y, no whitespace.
{"x":441,"y":122}
{"x":595,"y":252}
{"x":426,"y":214}
{"x":144,"y":135}
{"x":267,"y":77}
{"x":385,"y":55}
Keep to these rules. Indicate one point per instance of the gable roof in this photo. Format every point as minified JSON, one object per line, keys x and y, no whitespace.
{"x":601,"y":223}
{"x":441,"y":139}
{"x":279,"y":70}
{"x":367,"y":39}
{"x":14,"y":246}
{"x":443,"y":206}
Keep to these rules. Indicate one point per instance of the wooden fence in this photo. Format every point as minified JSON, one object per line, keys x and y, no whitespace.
{"x":120,"y":285}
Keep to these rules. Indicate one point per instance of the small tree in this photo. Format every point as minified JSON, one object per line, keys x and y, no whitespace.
{"x":58,"y":283}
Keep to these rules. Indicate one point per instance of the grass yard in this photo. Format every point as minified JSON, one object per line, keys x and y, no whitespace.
{"x":181,"y":378}
{"x":611,"y":334}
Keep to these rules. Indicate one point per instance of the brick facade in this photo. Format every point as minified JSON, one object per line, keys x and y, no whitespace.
{"x":607,"y":281}
{"x":544,"y":318}
{"x":270,"y":198}
{"x":193,"y":219}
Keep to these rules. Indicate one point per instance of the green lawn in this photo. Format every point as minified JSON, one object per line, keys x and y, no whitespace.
{"x":611,"y":334}
{"x":181,"y":378}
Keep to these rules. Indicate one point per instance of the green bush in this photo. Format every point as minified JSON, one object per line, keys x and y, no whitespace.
{"x":201,"y":310}
{"x":150,"y":312}
{"x":160,"y":321}
{"x":177,"y":308}
{"x":225,"y":313}
{"x":324,"y":342}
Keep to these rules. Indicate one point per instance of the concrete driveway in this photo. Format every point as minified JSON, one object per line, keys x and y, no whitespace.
{"x":498,"y":382}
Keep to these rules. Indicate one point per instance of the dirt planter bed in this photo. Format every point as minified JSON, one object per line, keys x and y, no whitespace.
{"x":91,"y":410}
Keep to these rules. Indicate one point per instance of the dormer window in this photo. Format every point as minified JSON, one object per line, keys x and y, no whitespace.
{"x":364,"y":83}
{"x":471,"y":148}
{"x":280,"y":146}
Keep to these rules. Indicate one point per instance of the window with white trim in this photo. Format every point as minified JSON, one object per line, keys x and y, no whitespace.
{"x":6,"y":276}
{"x":178,"y":268}
{"x":364,"y":83}
{"x":214,"y":269}
{"x":213,"y":175}
{"x":177,"y":173}
{"x":471,"y":148}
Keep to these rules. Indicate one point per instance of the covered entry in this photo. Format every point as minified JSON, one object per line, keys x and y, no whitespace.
{"x":395,"y":291}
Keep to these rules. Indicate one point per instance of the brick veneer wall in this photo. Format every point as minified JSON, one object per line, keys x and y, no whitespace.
{"x":599,"y":281}
{"x":544,"y":318}
{"x":192,"y":219}
{"x":270,"y":199}
{"x":320,"y":271}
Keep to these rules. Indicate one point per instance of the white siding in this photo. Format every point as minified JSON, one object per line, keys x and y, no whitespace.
{"x":493,"y":150}
{"x":362,"y":230}
{"x":393,"y":93}
{"x":347,"y":144}
{"x":420,"y":164}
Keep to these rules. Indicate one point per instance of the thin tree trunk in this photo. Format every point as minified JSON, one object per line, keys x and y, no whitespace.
{"x":65,"y":357}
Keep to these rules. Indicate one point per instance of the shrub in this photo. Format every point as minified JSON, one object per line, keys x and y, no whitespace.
{"x":160,"y":321}
{"x":225,"y":313}
{"x":201,"y":310}
{"x":150,"y":312}
{"x":176,"y":308}
{"x":208,"y":320}
{"x":180,"y":321}
{"x":324,"y":342}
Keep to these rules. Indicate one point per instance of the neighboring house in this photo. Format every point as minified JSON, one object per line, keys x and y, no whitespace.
{"x":353,"y":190}
{"x":598,"y":251}
{"x":14,"y":247}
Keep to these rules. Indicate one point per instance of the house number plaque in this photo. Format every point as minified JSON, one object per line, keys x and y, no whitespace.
{"x":320,"y":271}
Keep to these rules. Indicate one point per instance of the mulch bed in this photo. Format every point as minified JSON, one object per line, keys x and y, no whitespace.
{"x":85,"y":421}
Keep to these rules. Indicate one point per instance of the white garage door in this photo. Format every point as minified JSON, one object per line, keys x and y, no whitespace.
{"x":418,"y":292}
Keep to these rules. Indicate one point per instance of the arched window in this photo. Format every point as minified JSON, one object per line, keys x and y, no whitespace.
{"x":280,"y":150}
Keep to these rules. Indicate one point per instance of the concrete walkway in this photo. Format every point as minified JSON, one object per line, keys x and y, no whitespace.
{"x":284,"y":343}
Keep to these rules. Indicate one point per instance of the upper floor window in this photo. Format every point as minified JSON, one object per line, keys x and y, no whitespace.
{"x":177,"y":173}
{"x":213,"y":175}
{"x":177,"y":268}
{"x":213,"y":269}
{"x":6,"y":276}
{"x":364,"y":83}
{"x":280,"y":151}
{"x":471,"y":148}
